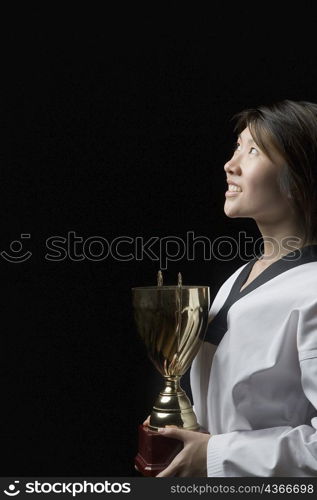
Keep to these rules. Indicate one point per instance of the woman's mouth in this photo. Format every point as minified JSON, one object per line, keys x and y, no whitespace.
{"x":233,"y":190}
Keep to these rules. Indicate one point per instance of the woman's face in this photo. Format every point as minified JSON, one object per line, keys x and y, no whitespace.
{"x":260,"y":196}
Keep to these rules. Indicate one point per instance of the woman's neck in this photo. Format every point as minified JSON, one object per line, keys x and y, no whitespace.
{"x":280,"y":239}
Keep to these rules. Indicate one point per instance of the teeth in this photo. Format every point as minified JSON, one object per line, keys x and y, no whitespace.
{"x":232,"y":187}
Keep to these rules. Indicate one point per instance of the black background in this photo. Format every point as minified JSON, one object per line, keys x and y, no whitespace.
{"x":116,"y":124}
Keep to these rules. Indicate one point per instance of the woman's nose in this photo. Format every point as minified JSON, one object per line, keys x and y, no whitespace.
{"x":232,"y":166}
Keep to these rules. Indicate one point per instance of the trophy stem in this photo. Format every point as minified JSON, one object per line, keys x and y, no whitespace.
{"x":173,"y":407}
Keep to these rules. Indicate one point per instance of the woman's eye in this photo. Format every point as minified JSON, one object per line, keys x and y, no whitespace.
{"x":236,"y":145}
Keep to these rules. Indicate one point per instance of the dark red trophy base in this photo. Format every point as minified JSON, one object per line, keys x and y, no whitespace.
{"x":155,"y":451}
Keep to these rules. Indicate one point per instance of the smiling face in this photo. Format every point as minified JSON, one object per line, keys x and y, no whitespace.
{"x":256,"y":175}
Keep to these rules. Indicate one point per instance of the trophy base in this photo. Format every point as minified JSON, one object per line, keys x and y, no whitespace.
{"x":155,"y":451}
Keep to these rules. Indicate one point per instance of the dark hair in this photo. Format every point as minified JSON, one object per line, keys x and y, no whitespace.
{"x":290,"y":128}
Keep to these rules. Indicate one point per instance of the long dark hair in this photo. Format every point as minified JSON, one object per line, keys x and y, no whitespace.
{"x":289,"y":127}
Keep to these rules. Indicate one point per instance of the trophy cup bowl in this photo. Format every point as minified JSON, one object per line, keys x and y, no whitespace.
{"x":172,"y":322}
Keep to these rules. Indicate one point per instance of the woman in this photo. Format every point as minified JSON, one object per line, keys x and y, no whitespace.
{"x":254,"y":381}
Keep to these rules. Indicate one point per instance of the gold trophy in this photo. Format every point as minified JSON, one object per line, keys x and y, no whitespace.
{"x":172,"y":322}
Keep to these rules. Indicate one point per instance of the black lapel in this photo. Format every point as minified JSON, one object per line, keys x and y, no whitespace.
{"x":218,"y":326}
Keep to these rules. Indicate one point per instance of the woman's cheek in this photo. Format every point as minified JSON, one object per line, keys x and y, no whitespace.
{"x":262,"y":185}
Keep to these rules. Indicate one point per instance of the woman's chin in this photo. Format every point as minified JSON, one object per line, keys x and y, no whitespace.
{"x":230,"y":211}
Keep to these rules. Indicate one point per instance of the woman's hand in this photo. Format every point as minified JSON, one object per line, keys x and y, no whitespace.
{"x":192,"y":460}
{"x":146,"y":422}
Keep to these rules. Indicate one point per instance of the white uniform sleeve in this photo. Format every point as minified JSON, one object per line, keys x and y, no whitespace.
{"x":276,"y":451}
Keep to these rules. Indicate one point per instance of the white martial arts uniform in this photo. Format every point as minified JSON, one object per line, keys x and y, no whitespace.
{"x":256,"y":392}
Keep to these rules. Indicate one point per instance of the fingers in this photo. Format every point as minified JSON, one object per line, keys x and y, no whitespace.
{"x":146,"y":422}
{"x":191,"y":460}
{"x":171,"y":469}
{"x":168,"y":472}
{"x":174,"y":432}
